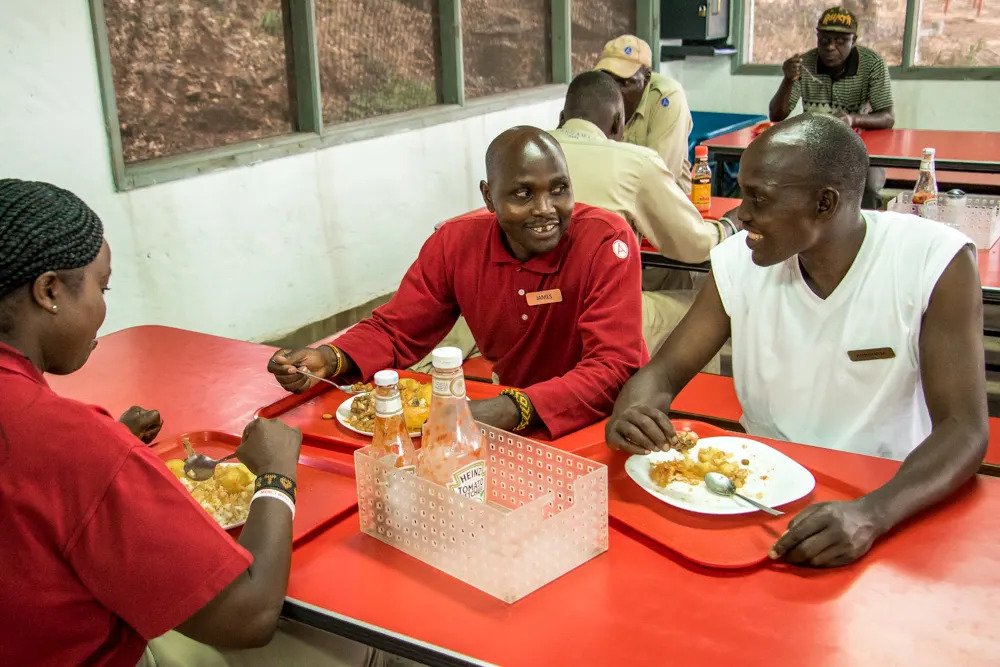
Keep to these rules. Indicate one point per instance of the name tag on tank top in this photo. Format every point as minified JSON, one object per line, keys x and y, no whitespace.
{"x":871,"y":354}
{"x":543,"y":298}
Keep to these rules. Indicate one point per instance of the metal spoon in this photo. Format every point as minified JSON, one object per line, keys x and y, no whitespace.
{"x":723,"y":486}
{"x":199,"y":467}
{"x":346,"y":388}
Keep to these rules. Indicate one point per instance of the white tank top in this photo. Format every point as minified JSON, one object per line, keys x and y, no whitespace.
{"x":793,"y":375}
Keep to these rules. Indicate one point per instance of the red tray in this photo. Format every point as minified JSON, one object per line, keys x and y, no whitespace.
{"x":326,"y":488}
{"x":733,"y":541}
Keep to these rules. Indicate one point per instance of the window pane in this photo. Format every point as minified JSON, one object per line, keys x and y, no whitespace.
{"x":959,"y":33}
{"x":596,"y":22}
{"x":377,"y":57}
{"x":197,"y":74}
{"x":782,"y":28}
{"x":505,"y":45}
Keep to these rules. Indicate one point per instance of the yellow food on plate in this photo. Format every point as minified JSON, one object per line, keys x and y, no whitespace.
{"x":693,"y":471}
{"x":226,"y":496}
{"x":416,"y":397}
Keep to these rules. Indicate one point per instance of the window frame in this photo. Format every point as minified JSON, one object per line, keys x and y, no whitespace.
{"x":310,"y":133}
{"x":907,"y":71}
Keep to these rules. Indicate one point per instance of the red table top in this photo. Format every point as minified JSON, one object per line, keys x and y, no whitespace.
{"x":720,"y":206}
{"x":937,"y":579}
{"x":989,"y":267}
{"x":949,"y":145}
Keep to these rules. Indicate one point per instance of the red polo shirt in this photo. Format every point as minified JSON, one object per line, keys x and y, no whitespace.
{"x":103,"y":549}
{"x":570,"y":357}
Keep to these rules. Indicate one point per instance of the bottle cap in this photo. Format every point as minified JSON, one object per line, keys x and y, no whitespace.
{"x":701,"y":151}
{"x":929,"y":151}
{"x":447,"y":358}
{"x":386,"y":378}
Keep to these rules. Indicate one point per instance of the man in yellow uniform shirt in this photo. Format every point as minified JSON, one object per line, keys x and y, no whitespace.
{"x":633,"y":182}
{"x":655,"y":105}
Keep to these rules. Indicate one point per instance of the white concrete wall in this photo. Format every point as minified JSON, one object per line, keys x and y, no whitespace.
{"x":938,"y":105}
{"x":250,"y":252}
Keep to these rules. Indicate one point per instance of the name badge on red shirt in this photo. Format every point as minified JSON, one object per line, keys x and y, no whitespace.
{"x":543,"y":298}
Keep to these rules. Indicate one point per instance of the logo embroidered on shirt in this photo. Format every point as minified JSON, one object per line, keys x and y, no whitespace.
{"x":628,"y":50}
{"x":620,"y":248}
{"x":664,"y":102}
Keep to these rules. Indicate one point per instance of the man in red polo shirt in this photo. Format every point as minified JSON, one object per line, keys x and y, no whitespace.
{"x":569,"y":351}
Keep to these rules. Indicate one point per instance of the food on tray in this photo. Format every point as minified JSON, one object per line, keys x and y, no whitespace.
{"x":693,"y":471}
{"x":416,"y":397}
{"x":226,"y":496}
{"x":327,"y":415}
{"x":359,"y":387}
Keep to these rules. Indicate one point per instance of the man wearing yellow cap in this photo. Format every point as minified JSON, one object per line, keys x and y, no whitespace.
{"x":655,"y":105}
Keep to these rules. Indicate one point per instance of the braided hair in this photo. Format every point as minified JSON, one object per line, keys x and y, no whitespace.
{"x":43,"y":228}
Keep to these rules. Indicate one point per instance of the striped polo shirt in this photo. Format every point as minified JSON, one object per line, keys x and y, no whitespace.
{"x":863,"y":86}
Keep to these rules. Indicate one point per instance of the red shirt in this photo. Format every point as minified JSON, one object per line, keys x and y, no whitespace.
{"x":103,"y":549}
{"x":571,"y":358}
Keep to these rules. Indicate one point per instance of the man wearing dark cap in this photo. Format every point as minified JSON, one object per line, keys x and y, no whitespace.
{"x":840,"y":78}
{"x":657,"y":114}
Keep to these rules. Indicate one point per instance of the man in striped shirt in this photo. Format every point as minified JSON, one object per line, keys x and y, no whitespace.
{"x":839,"y":78}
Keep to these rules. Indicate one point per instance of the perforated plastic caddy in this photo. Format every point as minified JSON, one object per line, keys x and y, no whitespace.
{"x":546,"y":512}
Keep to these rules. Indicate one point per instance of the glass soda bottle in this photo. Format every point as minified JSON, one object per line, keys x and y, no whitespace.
{"x":453,"y":453}
{"x":701,"y":180}
{"x":926,"y":187}
{"x":391,"y":437}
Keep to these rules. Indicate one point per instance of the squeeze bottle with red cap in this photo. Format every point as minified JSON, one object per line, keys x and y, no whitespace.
{"x":701,"y":180}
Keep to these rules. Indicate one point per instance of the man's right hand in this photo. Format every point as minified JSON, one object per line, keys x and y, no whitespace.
{"x":284,"y":363}
{"x":640,"y":429}
{"x":270,"y":445}
{"x":792,"y":68}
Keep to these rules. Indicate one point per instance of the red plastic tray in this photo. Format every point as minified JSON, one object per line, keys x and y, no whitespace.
{"x":326,"y":488}
{"x":734,"y":541}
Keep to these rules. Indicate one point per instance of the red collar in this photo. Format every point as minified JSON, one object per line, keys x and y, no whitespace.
{"x":547,"y":263}
{"x":15,"y":362}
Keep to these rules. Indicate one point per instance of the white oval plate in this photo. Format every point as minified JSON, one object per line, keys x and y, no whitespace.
{"x":344,"y":411}
{"x":774,"y":478}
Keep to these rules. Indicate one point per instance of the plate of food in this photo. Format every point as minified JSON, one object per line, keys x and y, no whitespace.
{"x":677,"y":476}
{"x":358,"y":412}
{"x":226,"y":496}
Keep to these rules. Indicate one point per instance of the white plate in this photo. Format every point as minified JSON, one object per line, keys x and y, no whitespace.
{"x":344,"y":411}
{"x":774,"y":478}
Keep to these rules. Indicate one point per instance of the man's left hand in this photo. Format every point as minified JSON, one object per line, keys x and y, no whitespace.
{"x":846,"y":118}
{"x":499,"y":411}
{"x":144,"y":424}
{"x":828,"y":535}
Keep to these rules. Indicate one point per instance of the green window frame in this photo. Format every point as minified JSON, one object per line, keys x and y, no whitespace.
{"x":311,"y":134}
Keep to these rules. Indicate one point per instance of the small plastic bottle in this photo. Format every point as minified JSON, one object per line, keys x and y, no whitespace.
{"x":701,"y":180}
{"x":391,"y":437}
{"x":926,"y":187}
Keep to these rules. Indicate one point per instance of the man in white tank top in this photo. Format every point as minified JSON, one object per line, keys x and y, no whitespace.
{"x":857,"y":331}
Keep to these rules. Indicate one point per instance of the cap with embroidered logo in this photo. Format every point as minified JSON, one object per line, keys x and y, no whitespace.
{"x":623,"y":56}
{"x":838,"y":19}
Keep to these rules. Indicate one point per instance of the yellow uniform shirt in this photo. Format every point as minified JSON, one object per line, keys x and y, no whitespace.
{"x":633,"y":182}
{"x":663,"y":123}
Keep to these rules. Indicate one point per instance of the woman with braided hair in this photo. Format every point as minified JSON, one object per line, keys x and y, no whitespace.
{"x":104,"y":550}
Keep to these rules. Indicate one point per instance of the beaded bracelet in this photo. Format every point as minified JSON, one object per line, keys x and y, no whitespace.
{"x":276,"y":481}
{"x":340,"y":358}
{"x":277,"y":495}
{"x":523,"y":404}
